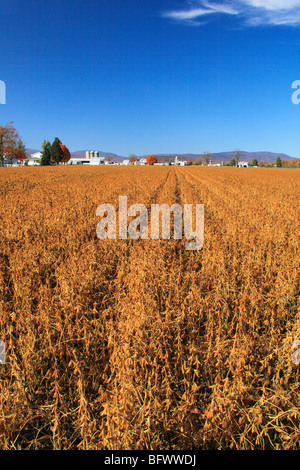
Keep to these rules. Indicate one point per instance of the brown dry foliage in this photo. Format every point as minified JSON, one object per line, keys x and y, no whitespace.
{"x":141,"y":344}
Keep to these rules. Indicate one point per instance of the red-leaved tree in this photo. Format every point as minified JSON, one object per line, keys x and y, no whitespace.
{"x":20,"y":154}
{"x":8,"y":142}
{"x":151,"y":159}
{"x":66,"y":153}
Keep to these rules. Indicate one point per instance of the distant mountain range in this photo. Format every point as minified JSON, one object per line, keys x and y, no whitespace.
{"x":266,"y":157}
{"x":32,"y":150}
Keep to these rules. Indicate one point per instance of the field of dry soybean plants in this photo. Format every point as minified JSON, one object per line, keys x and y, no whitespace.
{"x":141,"y":344}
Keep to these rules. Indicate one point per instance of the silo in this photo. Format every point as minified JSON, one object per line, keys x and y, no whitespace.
{"x":96,"y":154}
{"x":87,"y":154}
{"x":91,"y":154}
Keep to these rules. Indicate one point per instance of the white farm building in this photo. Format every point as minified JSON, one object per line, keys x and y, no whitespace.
{"x":243,"y":164}
{"x":34,"y":159}
{"x":85,"y":161}
{"x":91,"y":158}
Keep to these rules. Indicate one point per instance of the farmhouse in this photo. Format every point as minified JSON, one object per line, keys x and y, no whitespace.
{"x":34,"y":159}
{"x":243,"y":164}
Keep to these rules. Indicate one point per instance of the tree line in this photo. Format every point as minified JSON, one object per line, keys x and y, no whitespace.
{"x":54,"y":153}
{"x":12,"y":147}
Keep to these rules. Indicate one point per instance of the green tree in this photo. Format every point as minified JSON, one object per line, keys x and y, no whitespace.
{"x":278,"y":162}
{"x":20,"y":152}
{"x":46,"y":153}
{"x":21,"y":145}
{"x":233,"y":162}
{"x":254,"y":162}
{"x":56,"y":151}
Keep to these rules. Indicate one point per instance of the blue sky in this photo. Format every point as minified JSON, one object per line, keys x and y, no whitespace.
{"x":132,"y":76}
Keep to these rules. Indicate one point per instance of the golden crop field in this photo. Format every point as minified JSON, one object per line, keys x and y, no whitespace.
{"x":141,"y":344}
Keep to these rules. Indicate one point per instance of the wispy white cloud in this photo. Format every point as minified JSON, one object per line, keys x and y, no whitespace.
{"x":274,"y":4}
{"x":250,"y":12}
{"x":188,"y":15}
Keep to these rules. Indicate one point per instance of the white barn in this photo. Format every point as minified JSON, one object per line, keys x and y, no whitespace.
{"x":86,"y":161}
{"x":243,"y":164}
{"x":91,"y":158}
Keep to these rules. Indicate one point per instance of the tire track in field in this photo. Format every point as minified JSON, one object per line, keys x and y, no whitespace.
{"x":147,"y":341}
{"x":159,"y":345}
{"x":131,"y":306}
{"x":119,"y":251}
{"x":154,"y":197}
